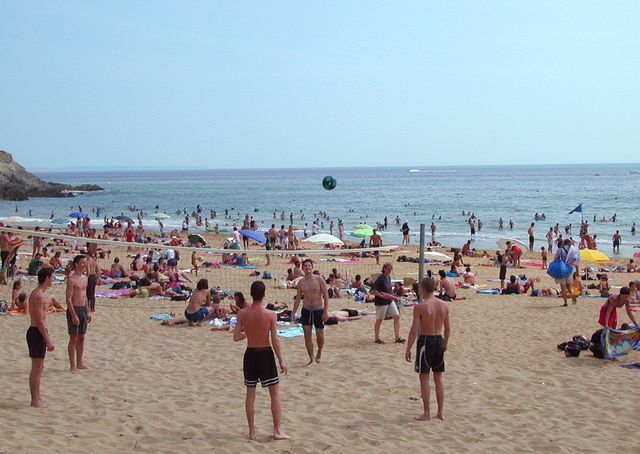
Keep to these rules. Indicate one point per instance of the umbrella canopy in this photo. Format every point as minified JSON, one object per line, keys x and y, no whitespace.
{"x":362,"y":233}
{"x":196,"y":239}
{"x":124,"y":218}
{"x":502,"y":243}
{"x":637,"y":255}
{"x":593,"y":255}
{"x":362,"y":226}
{"x":323,"y":238}
{"x":78,"y":214}
{"x":15,"y":219}
{"x":59,"y":221}
{"x":160,"y":216}
{"x":255,"y":236}
{"x":440,"y":257}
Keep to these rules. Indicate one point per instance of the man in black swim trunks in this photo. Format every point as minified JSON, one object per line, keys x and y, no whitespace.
{"x":258,"y":326}
{"x":429,"y":319}
{"x":315,"y":310}
{"x":376,"y":241}
{"x":78,"y":315}
{"x":38,"y":339}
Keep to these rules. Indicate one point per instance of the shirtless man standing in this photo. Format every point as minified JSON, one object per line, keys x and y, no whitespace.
{"x":429,"y":319}
{"x":38,"y":338}
{"x":258,"y":326}
{"x":77,"y":315}
{"x":550,"y":240}
{"x":93,"y":274}
{"x":376,"y":241}
{"x":531,"y":236}
{"x":315,"y":310}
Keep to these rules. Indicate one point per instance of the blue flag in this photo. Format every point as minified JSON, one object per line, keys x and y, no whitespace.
{"x":577,"y":209}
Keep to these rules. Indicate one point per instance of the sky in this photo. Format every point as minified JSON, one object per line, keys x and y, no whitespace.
{"x":258,"y":84}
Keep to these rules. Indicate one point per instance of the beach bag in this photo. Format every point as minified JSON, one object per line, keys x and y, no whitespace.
{"x":558,"y":269}
{"x":581,"y":342}
{"x":596,"y":344}
{"x":571,"y":350}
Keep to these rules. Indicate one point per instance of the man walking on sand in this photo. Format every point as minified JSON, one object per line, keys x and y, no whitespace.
{"x":315,"y":309}
{"x":429,"y":319}
{"x":258,"y":326}
{"x":38,"y":339}
{"x":385,"y":304}
{"x":77,"y":314}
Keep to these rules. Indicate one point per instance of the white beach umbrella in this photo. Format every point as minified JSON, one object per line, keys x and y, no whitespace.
{"x":502,"y":243}
{"x":160,"y":216}
{"x":323,"y":238}
{"x":440,"y":257}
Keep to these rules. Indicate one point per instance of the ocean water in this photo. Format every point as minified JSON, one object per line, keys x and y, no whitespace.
{"x":368,"y":194}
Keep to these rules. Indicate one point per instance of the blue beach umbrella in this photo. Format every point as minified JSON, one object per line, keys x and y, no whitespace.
{"x":253,"y":235}
{"x":78,"y":214}
{"x":59,"y":221}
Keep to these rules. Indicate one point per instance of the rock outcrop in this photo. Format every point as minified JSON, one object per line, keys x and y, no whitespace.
{"x":18,"y":184}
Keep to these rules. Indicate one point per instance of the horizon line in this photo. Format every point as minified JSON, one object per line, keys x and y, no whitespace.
{"x":409,"y":167}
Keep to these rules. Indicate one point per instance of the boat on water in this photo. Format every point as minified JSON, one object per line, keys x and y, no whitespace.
{"x":417,"y":171}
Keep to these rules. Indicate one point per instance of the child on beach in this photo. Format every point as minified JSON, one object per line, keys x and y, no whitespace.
{"x":15,"y":293}
{"x":258,"y":326}
{"x":429,"y":319}
{"x":543,"y":255}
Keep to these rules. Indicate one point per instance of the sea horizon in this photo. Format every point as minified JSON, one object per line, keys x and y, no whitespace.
{"x":46,"y":170}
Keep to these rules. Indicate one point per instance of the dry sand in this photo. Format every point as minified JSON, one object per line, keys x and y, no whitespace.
{"x":180,"y":389}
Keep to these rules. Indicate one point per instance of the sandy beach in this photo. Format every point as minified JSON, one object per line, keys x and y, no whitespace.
{"x":152,"y":388}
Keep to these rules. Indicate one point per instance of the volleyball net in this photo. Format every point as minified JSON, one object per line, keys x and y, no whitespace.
{"x":227,"y":269}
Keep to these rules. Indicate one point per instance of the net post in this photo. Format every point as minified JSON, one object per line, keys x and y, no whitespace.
{"x":421,"y":259}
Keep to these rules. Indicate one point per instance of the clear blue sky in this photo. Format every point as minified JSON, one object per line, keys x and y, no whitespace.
{"x":299,"y":84}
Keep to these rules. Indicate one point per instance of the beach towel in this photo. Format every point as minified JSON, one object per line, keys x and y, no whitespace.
{"x":635,"y":366}
{"x":536,"y":264}
{"x":159,"y":316}
{"x":295,"y":331}
{"x":493,"y":291}
{"x":618,"y":343}
{"x":112,"y":293}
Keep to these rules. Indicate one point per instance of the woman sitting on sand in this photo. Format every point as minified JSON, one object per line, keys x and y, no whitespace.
{"x":56,"y":262}
{"x":239,"y":302}
{"x":333,"y":287}
{"x":136,"y":263}
{"x":117,"y":270}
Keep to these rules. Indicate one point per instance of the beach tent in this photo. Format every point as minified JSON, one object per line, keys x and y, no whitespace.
{"x":231,"y":243}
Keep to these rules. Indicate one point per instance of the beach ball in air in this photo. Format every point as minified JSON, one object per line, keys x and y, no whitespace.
{"x":329,"y":183}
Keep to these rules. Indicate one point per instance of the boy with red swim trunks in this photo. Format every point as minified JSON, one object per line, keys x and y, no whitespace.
{"x":609,"y":310}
